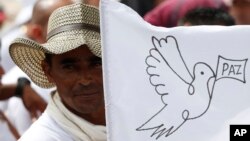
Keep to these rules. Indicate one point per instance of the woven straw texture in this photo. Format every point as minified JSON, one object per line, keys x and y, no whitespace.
{"x":28,"y":54}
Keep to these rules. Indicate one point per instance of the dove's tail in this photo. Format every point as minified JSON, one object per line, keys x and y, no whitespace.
{"x":160,"y":129}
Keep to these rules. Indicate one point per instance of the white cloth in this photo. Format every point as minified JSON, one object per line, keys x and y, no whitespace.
{"x":179,"y":83}
{"x":54,"y":125}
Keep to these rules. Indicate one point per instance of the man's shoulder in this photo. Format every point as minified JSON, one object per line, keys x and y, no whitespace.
{"x":45,"y":129}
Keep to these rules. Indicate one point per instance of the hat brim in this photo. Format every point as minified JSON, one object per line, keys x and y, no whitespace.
{"x":28,"y":54}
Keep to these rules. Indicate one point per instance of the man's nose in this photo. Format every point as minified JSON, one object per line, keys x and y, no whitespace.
{"x":85,"y":78}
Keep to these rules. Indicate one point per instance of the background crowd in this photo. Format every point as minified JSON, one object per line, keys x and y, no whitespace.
{"x":28,"y":18}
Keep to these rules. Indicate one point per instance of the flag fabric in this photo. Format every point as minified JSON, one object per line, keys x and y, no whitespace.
{"x":172,"y":84}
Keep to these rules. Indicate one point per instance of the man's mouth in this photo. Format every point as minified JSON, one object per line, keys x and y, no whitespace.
{"x":87,"y":94}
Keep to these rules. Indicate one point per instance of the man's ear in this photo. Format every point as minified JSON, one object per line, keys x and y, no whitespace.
{"x":35,"y":32}
{"x":47,"y":71}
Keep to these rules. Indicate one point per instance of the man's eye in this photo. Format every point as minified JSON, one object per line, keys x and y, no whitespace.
{"x":97,"y":63}
{"x":68,"y":67}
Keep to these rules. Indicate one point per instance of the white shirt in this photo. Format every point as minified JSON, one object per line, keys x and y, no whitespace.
{"x":45,"y":129}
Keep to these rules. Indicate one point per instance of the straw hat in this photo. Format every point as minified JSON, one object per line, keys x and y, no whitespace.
{"x":68,"y":28}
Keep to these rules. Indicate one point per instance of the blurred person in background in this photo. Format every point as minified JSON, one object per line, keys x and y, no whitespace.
{"x":17,"y":15}
{"x":16,"y":116}
{"x":169,"y":12}
{"x":207,"y":16}
{"x":7,"y":131}
{"x":240,"y":10}
{"x":35,"y":29}
{"x":15,"y":108}
{"x":2,"y":16}
{"x":141,"y":6}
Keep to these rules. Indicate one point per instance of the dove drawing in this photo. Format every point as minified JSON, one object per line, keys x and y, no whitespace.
{"x":193,"y":101}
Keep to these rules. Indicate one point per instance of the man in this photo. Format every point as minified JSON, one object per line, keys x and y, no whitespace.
{"x":69,"y":60}
{"x":240,"y":10}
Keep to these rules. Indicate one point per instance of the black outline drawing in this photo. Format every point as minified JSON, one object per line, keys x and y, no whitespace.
{"x":210,"y":79}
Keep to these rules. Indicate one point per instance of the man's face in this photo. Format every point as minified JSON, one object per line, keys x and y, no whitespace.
{"x":78,"y":77}
{"x":240,"y":10}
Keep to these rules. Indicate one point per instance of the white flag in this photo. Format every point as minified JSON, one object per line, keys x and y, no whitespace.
{"x":172,"y":84}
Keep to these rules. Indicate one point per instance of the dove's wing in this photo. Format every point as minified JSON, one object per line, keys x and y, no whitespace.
{"x":169,"y":51}
{"x":162,"y":77}
{"x":167,"y":69}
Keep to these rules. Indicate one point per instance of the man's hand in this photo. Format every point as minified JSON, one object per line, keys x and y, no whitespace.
{"x":33,"y":102}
